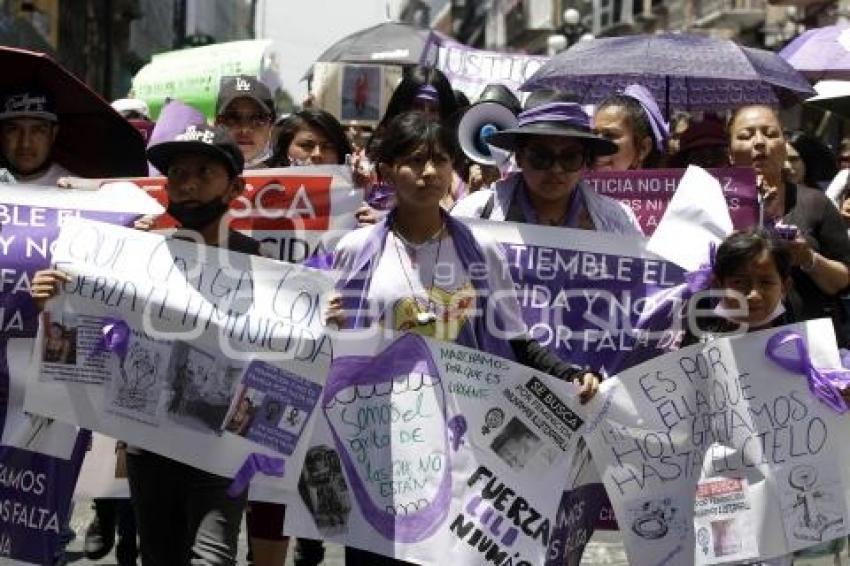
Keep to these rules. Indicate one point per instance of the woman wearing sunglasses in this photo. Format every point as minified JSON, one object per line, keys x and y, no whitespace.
{"x":554,"y":145}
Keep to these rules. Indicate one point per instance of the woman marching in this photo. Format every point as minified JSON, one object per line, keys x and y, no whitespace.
{"x":820,"y":251}
{"x":554,"y":146}
{"x":420,"y":270}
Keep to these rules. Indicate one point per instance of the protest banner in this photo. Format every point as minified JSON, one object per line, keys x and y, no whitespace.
{"x":194,"y":352}
{"x":355,"y":93}
{"x":719,"y":453}
{"x":294,"y":212}
{"x":582,"y":291}
{"x":647,"y":192}
{"x":470,"y":70}
{"x":39,"y":459}
{"x":435,"y":453}
{"x":193,"y":75}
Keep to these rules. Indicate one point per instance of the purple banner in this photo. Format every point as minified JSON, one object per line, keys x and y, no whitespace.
{"x":648,"y":191}
{"x":582,"y":510}
{"x":585,"y":305}
{"x":35,"y":488}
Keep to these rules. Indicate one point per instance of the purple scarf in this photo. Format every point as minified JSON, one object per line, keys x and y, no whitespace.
{"x":355,"y":286}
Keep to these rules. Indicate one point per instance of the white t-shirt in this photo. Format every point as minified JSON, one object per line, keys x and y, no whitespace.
{"x":405,"y":283}
{"x":48,"y":178}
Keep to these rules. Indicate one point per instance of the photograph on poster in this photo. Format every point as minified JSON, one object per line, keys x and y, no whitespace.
{"x":60,"y":341}
{"x":199,"y":388}
{"x":324,"y":491}
{"x":516,"y":444}
{"x":361,"y":92}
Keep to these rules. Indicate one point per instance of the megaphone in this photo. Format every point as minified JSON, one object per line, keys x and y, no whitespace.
{"x":479,"y":122}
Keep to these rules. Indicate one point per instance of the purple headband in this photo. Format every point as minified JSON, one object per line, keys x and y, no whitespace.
{"x":428,"y":93}
{"x":567,"y":113}
{"x":660,"y":128}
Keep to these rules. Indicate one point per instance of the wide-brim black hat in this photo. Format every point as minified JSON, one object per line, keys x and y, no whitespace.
{"x":507,"y":139}
{"x":214,"y":142}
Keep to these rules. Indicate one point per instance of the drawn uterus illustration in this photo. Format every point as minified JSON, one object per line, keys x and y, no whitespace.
{"x":388,"y":419}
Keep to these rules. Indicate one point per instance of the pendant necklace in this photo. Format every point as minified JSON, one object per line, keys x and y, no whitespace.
{"x":427,"y":316}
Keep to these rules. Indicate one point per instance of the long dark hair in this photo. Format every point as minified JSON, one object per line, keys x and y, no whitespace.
{"x":309,"y":118}
{"x":818,"y":159}
{"x":409,"y":131}
{"x":640,"y":125}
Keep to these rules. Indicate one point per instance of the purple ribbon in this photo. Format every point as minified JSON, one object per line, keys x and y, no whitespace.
{"x":700,"y":279}
{"x":660,"y":128}
{"x":568,"y":113}
{"x":429,"y":93}
{"x":826,"y":385}
{"x":254,"y":463}
{"x":114,"y":337}
{"x":322,"y":261}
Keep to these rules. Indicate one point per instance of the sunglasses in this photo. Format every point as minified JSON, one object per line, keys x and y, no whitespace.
{"x":543,"y":159}
{"x":233,"y":119}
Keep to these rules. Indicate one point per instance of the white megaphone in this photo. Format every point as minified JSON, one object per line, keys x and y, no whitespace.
{"x":478,"y":123}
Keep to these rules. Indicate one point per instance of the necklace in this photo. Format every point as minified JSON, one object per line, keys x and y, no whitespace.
{"x":428,"y":316}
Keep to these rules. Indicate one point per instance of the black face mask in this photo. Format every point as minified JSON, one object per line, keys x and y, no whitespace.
{"x":199,"y":216}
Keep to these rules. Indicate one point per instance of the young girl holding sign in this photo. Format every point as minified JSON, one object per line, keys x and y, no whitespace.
{"x":753,"y":269}
{"x":422,"y":271}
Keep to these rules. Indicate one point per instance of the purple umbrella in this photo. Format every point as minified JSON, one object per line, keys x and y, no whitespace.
{"x":683,"y":71}
{"x":822,"y":53}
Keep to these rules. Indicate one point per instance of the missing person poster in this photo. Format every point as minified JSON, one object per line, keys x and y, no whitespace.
{"x":354,"y":93}
{"x":436,"y":453}
{"x":717,"y":453}
{"x":194,"y":352}
{"x":40,"y":458}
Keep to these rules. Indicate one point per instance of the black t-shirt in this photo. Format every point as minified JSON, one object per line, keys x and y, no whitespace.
{"x":820,"y":223}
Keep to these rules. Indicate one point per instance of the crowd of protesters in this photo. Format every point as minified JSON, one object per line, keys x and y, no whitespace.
{"x":417,"y":185}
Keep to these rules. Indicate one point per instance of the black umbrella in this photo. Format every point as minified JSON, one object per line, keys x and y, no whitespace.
{"x":390,"y":43}
{"x":94,"y":140}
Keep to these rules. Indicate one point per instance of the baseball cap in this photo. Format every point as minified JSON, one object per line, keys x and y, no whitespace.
{"x":31,"y":103}
{"x":209,"y":140}
{"x":243,"y":86}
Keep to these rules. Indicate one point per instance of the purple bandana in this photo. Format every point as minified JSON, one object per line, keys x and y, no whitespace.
{"x":428,"y":93}
{"x":660,"y":128}
{"x":569,"y":114}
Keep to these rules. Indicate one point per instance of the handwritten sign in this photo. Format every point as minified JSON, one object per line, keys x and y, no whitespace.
{"x":715,"y":454}
{"x":224,"y":356}
{"x":432,"y":452}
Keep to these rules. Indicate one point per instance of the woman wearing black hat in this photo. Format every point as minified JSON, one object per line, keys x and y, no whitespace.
{"x":554,"y":145}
